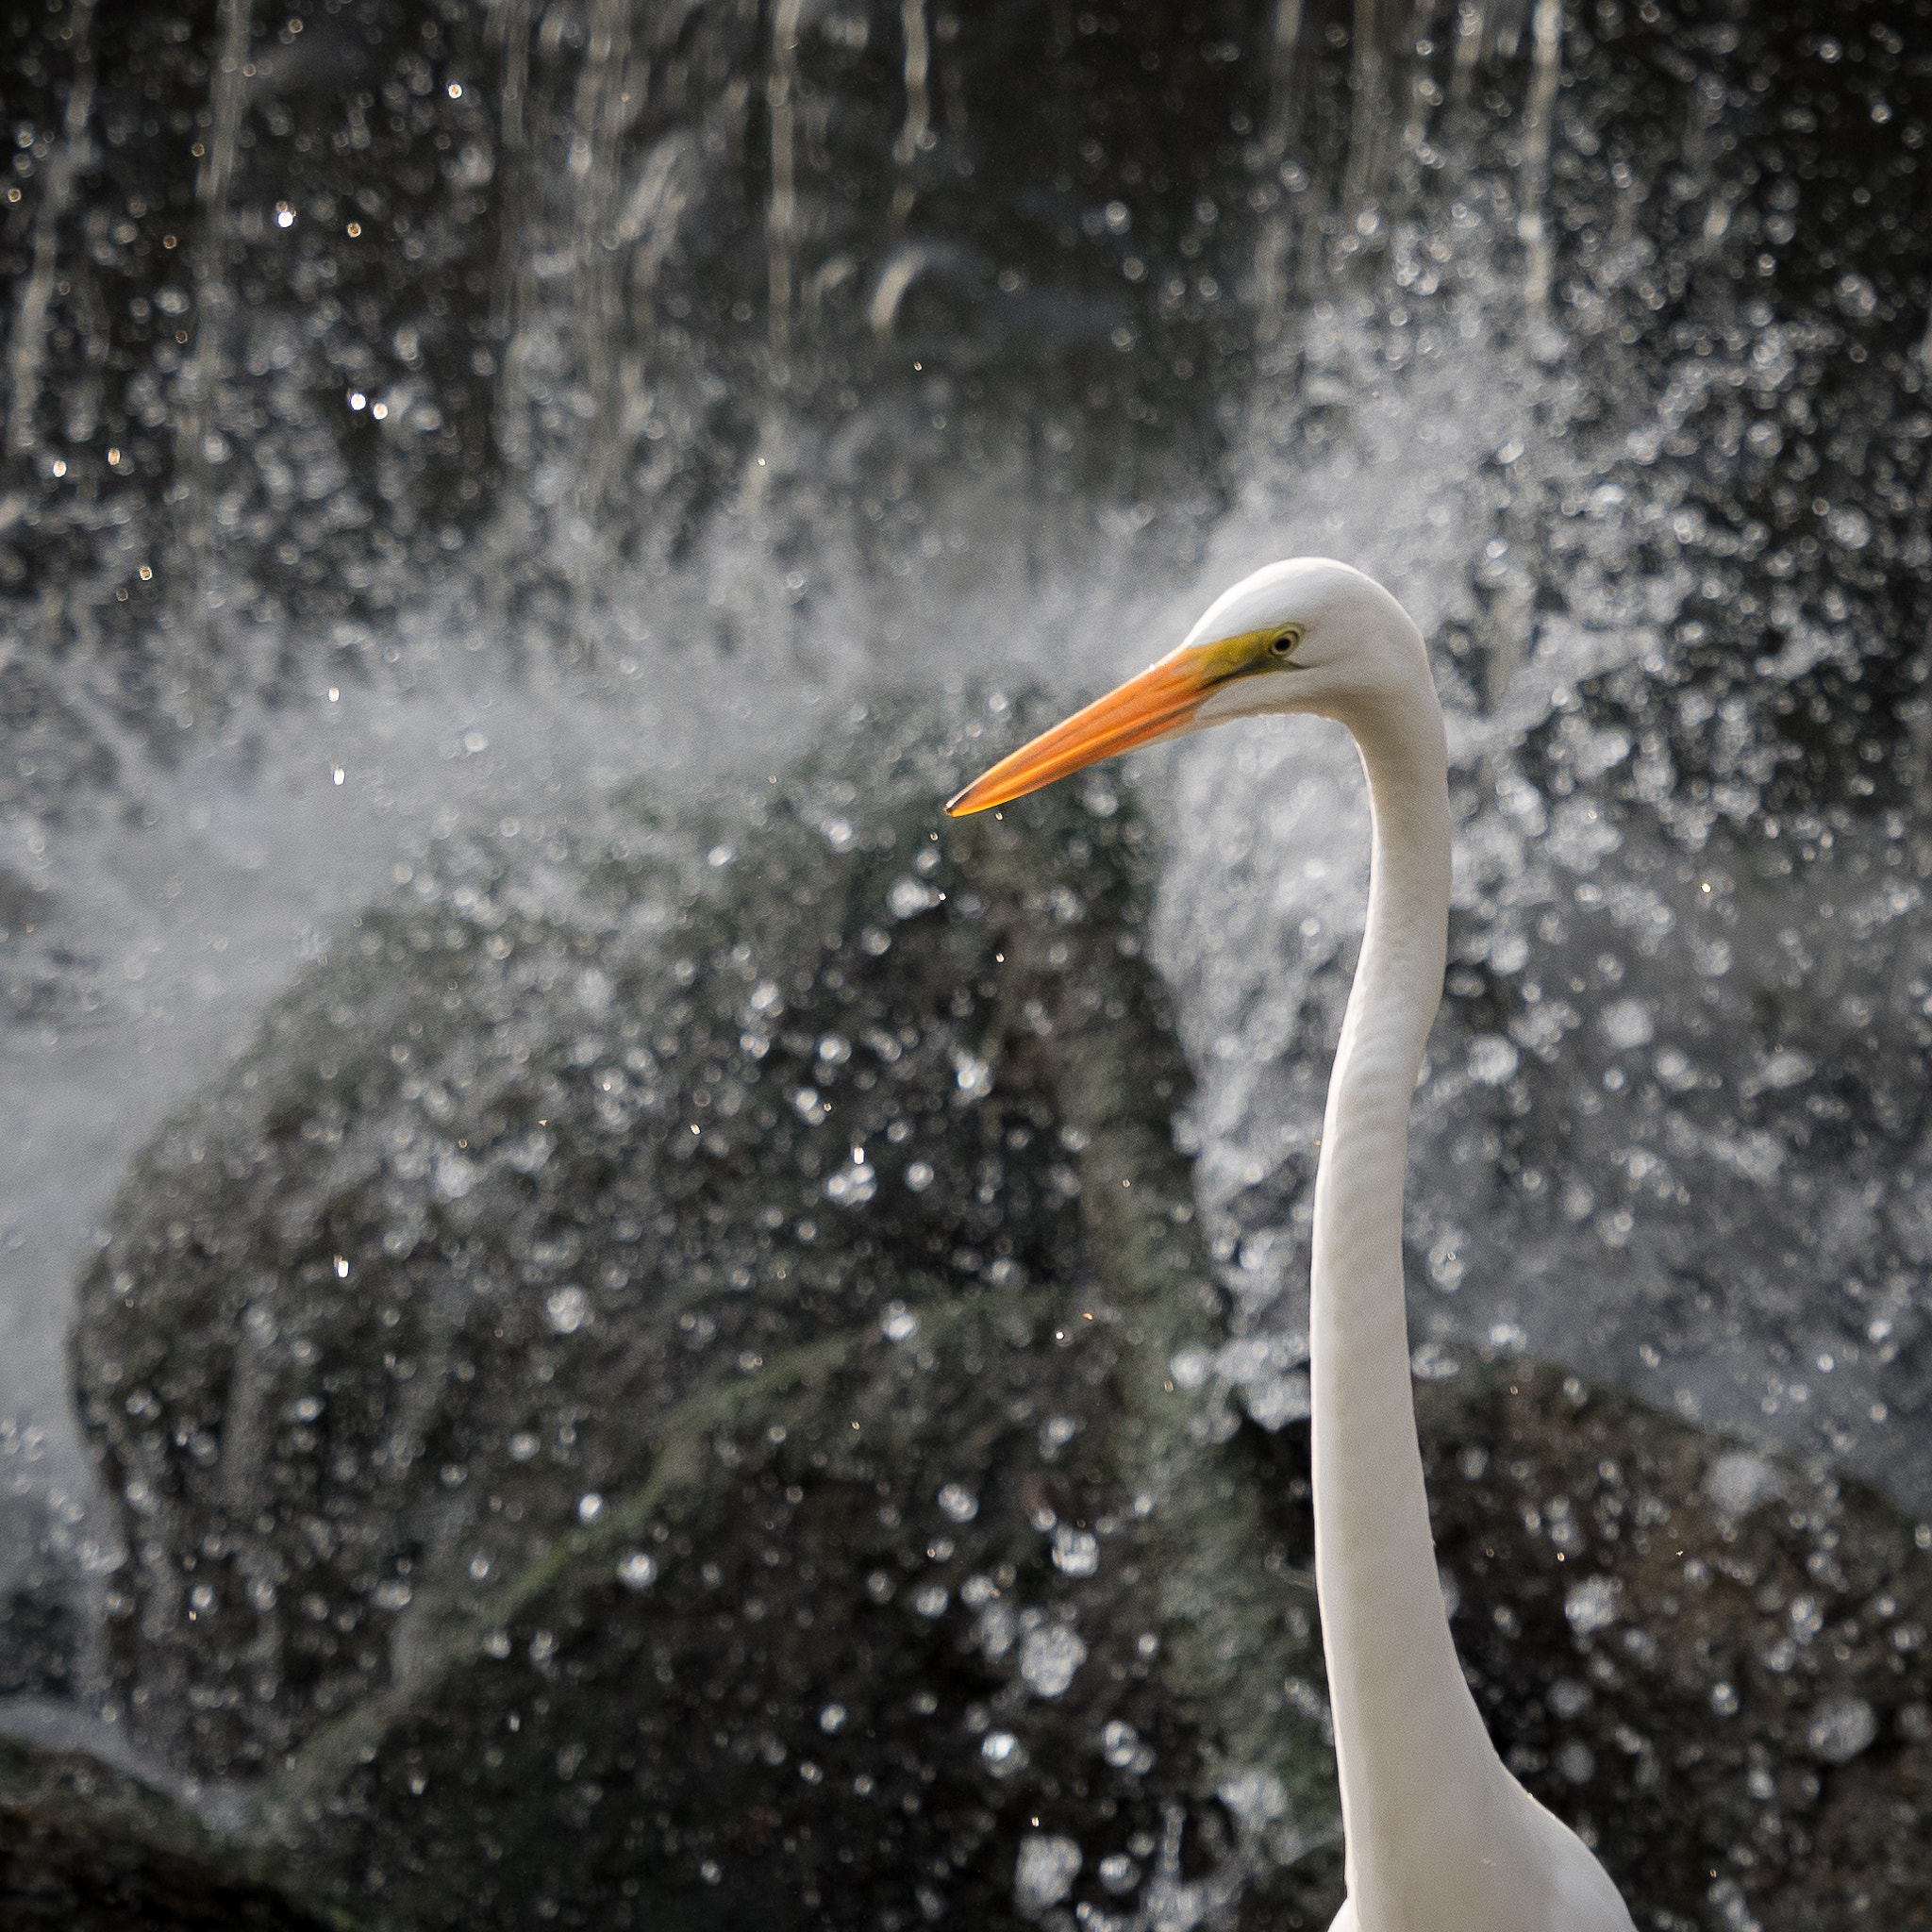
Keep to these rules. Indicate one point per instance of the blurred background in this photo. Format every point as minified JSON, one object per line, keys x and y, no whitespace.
{"x":574,"y":1345}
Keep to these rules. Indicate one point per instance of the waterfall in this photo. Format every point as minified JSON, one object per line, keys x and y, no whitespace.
{"x":1472,"y":35}
{"x":609,"y":101}
{"x":198,"y":591}
{"x":1368,"y":115}
{"x":1273,"y":250}
{"x":782,"y":212}
{"x":1547,"y":44}
{"x":916,"y":135}
{"x":511,"y":24}
{"x":1423,"y":93}
{"x":27,"y":349}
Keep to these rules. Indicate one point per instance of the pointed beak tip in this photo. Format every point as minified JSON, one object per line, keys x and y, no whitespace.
{"x":981,"y":795}
{"x":1156,"y":704}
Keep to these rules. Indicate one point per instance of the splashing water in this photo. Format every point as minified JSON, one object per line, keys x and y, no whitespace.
{"x":520,"y":413}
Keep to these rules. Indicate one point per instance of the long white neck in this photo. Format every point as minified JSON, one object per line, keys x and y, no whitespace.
{"x":1419,"y":1777}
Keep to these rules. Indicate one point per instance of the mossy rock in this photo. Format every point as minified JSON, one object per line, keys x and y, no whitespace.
{"x":1712,"y":1663}
{"x":86,"y":1848}
{"x":543,"y":1189}
{"x":782,"y":1680}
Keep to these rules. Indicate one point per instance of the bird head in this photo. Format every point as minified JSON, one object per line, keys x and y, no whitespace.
{"x":1309,"y":635}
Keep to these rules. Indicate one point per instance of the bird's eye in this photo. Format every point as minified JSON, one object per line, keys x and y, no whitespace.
{"x":1284,"y":645}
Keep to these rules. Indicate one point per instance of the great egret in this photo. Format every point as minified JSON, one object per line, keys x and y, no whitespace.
{"x":1439,"y":1836}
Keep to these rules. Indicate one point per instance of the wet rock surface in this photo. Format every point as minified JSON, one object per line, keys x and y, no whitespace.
{"x":591,"y":1381}
{"x":679,"y":1383}
{"x":1712,"y":1662}
{"x":84,"y":1848}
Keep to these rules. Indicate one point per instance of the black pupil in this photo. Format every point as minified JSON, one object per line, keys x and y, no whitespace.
{"x":1284,"y":644}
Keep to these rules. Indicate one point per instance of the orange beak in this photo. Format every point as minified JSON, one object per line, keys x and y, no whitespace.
{"x":1160,"y":703}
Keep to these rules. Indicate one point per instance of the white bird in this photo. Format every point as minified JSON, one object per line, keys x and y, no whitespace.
{"x":1439,"y":1836}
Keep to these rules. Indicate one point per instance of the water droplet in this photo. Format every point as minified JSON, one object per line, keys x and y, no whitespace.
{"x":972,"y":1075}
{"x":566,"y":1309}
{"x":1255,"y":1798}
{"x":1840,"y":1727}
{"x":1045,"y":1872}
{"x":1592,"y":1605}
{"x":1493,"y":1059}
{"x":855,"y":1185}
{"x":1628,"y":1024}
{"x":1049,"y":1657}
{"x":455,"y":1175}
{"x":1190,"y":1368}
{"x":906,"y":898}
{"x":1075,"y":1552}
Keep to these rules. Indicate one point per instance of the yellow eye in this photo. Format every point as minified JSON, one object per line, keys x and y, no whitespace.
{"x":1284,"y":645}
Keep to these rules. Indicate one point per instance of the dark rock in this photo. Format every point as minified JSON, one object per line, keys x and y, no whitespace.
{"x":573,"y":1216}
{"x":1712,"y":1663}
{"x":84,"y":1848}
{"x":1679,"y":1643}
{"x":41,"y":1621}
{"x":39,"y":1631}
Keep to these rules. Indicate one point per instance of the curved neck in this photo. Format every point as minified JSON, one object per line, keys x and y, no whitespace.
{"x":1408,"y":1734}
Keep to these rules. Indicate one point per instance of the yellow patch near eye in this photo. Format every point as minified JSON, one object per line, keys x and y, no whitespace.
{"x":1248,"y":652}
